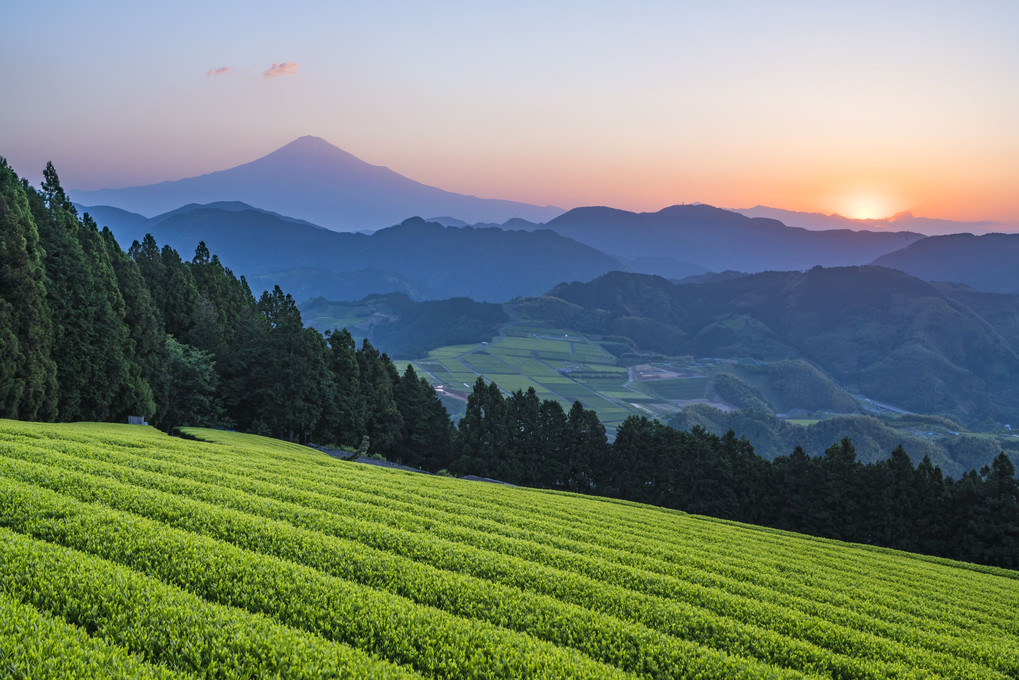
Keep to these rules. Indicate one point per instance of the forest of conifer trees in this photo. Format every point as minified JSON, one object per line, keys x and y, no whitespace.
{"x":89,"y":332}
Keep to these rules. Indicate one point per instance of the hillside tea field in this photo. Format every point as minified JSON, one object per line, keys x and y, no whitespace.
{"x":127,"y":553}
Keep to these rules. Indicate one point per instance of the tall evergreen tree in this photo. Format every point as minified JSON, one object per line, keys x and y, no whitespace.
{"x":144,"y":346}
{"x":344,"y":419}
{"x":289,"y":373}
{"x":176,"y":295}
{"x":546,"y":469}
{"x":224,"y":301}
{"x":525,"y":437}
{"x":996,"y":523}
{"x":90,"y":335}
{"x":116,"y":388}
{"x":383,"y":422}
{"x":584,"y":443}
{"x":66,"y":271}
{"x":426,"y":434}
{"x":483,"y":437}
{"x":28,"y":384}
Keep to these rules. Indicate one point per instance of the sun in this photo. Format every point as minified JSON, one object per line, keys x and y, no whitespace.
{"x":865,"y":211}
{"x":866,"y":207}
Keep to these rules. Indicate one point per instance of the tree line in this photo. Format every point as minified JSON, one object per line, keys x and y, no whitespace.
{"x":91,"y":332}
{"x":892,"y":503}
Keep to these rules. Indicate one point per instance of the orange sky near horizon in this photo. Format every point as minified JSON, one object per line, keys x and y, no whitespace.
{"x":865,"y":108}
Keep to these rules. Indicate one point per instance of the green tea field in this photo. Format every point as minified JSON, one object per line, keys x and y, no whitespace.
{"x":127,"y":553}
{"x":561,"y":365}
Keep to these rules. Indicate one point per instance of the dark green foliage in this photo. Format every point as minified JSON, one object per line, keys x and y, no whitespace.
{"x":28,"y":388}
{"x":224,"y":302}
{"x":529,"y":423}
{"x":344,"y":420}
{"x":796,"y":384}
{"x":484,"y":434}
{"x":192,"y":388}
{"x":171,"y":285}
{"x":583,"y":445}
{"x":144,"y":348}
{"x":426,"y":435}
{"x":377,"y":377}
{"x":419,"y":327}
{"x":288,"y":374}
{"x":68,"y":281}
{"x":115,"y":387}
{"x":89,"y":332}
{"x":740,"y":394}
{"x":97,"y":378}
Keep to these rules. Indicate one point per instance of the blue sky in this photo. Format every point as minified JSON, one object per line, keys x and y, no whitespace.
{"x":848,"y":107}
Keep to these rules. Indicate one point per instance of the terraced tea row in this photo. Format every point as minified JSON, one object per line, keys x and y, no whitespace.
{"x":381,"y":572}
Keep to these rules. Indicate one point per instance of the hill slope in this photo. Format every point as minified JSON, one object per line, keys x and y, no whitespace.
{"x":311,"y":179}
{"x":249,"y":556}
{"x":989,"y":262}
{"x":878,"y":331}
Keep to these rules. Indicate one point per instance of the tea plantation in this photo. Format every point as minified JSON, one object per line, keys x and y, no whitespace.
{"x":127,"y":553}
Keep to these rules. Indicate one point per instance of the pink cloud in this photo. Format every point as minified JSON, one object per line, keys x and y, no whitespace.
{"x":285,"y":68}
{"x":221,"y":71}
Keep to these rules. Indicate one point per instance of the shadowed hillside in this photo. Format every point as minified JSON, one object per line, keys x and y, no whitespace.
{"x":893,"y":337}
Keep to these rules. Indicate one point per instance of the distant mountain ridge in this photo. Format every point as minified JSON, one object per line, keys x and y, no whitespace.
{"x":424,"y":260}
{"x":904,"y":221}
{"x":313,"y":180}
{"x":717,"y":239}
{"x":989,"y":262}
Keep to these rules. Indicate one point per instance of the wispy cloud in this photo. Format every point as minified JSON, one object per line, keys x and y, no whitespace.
{"x":285,"y":68}
{"x":221,"y":71}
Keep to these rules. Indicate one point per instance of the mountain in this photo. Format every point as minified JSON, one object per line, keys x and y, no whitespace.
{"x":876,"y":331}
{"x":114,"y":218}
{"x":989,"y":262}
{"x":313,"y":180}
{"x":904,"y":221}
{"x":422,"y":259}
{"x":717,"y":239}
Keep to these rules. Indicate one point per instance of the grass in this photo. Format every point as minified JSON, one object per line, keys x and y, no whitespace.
{"x":127,"y":553}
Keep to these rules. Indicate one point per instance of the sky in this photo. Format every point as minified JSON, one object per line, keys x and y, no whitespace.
{"x":861,"y":108}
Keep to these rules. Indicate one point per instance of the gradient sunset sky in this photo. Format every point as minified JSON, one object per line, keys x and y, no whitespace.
{"x":861,"y":108}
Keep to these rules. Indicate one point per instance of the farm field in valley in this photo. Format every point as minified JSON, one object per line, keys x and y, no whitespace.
{"x":560,"y":365}
{"x":134,"y":554}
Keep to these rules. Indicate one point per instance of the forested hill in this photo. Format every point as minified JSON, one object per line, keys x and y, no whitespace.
{"x":989,"y":262}
{"x":893,"y":337}
{"x":422,"y":259}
